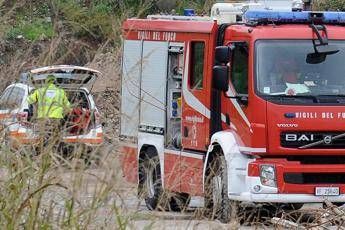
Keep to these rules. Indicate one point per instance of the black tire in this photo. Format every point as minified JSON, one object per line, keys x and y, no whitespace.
{"x":217,"y":202}
{"x":150,"y":181}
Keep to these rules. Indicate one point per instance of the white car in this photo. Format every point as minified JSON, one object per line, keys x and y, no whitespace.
{"x":83,"y":124}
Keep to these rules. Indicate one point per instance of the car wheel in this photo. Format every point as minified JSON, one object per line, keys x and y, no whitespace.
{"x":217,"y":202}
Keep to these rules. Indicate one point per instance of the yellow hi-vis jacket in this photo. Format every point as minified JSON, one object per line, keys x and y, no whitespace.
{"x":51,"y":102}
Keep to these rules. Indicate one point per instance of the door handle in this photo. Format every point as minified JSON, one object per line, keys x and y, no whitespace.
{"x":185,"y":131}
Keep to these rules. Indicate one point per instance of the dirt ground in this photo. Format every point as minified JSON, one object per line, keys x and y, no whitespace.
{"x":134,"y":210}
{"x":96,"y":196}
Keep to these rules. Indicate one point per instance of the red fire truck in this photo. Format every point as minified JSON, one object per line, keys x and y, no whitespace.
{"x":241,"y":112}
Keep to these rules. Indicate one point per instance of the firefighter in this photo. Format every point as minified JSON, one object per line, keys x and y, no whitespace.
{"x":288,"y":72}
{"x":52,"y":104}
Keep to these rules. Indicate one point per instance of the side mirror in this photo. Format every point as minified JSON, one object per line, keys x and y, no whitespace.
{"x":321,"y":53}
{"x":327,"y":49}
{"x":315,"y":58}
{"x":220,"y":78}
{"x":223,"y":54}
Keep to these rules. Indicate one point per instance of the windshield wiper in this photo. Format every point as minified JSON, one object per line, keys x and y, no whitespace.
{"x":324,"y":98}
{"x":331,"y":95}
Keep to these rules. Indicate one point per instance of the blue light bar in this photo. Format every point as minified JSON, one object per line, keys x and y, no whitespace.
{"x":334,"y":17}
{"x":189,"y":12}
{"x":304,"y":17}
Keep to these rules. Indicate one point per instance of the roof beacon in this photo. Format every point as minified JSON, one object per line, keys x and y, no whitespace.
{"x":189,"y":12}
{"x":278,"y":17}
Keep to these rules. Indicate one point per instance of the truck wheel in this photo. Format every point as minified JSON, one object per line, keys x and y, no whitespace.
{"x":150,"y":182}
{"x":217,"y":202}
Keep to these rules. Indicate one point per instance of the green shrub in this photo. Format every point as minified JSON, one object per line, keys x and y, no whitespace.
{"x":330,"y":5}
{"x":32,"y":31}
{"x":94,"y":21}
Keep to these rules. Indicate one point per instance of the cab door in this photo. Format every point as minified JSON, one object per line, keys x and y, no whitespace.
{"x":195,"y":114}
{"x":195,"y":117}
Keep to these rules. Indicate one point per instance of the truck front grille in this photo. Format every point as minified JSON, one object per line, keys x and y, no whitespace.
{"x":314,"y":178}
{"x":321,"y":160}
{"x":327,"y":140}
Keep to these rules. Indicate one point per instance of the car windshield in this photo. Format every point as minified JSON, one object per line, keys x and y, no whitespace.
{"x":282,"y":69}
{"x":11,"y":98}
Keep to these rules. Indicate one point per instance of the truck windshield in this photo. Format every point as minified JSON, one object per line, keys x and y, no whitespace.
{"x":282,"y":70}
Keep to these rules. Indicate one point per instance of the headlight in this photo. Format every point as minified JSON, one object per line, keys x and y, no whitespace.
{"x":268,"y":175}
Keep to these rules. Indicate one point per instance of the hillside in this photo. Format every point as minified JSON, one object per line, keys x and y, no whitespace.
{"x":38,"y":33}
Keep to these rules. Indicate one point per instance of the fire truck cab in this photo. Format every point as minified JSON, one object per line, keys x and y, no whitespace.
{"x":250,"y":111}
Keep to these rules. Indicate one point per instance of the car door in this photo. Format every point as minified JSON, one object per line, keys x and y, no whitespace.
{"x":12,"y":108}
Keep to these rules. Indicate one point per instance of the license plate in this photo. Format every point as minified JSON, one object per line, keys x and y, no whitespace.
{"x":327,"y":191}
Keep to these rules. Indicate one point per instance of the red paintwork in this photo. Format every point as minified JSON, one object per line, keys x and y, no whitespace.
{"x":192,"y":176}
{"x":129,"y":163}
{"x":201,"y":129}
{"x":262,"y":130}
{"x":276,"y":116}
{"x":185,"y":177}
{"x":183,"y":174}
{"x":265,"y":116}
{"x":172,"y":172}
{"x":4,"y":116}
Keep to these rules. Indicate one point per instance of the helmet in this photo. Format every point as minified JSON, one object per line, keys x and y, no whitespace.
{"x":50,"y":78}
{"x":286,"y":64}
{"x":288,"y":67}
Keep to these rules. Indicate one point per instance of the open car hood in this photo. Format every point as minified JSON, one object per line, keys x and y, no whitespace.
{"x":67,"y":76}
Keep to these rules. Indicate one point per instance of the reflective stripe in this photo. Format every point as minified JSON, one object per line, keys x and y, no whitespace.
{"x":237,"y":106}
{"x":197,"y":105}
{"x":254,"y":150}
{"x":188,"y":96}
{"x":84,"y":140}
{"x":184,"y":154}
{"x":5,"y":115}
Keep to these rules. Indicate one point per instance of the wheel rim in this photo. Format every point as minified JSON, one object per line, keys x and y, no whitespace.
{"x":149,"y":183}
{"x":216,"y":190}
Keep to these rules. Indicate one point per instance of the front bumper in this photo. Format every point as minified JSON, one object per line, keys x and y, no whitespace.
{"x":287,"y":190}
{"x":93,"y":138}
{"x":285,"y":198}
{"x":272,"y":195}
